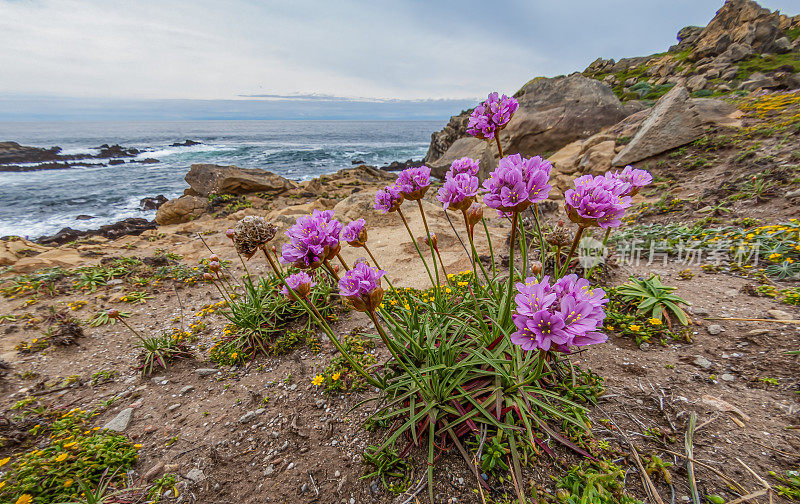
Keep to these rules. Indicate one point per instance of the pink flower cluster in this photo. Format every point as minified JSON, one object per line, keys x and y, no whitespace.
{"x":491,"y":116}
{"x":568,"y":313}
{"x":517,"y":183}
{"x":597,"y":201}
{"x":312,"y":239}
{"x":460,"y":184}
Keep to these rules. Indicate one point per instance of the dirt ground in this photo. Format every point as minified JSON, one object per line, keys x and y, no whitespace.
{"x":264,"y":433}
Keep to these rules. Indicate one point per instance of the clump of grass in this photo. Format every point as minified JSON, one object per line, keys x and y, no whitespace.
{"x":260,"y":317}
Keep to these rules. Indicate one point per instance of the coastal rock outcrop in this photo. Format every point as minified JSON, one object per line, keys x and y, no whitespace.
{"x":12,"y":152}
{"x":125,"y":227}
{"x":206,"y":179}
{"x":180,"y":210}
{"x":552,"y":113}
{"x":152,"y":203}
{"x":738,"y":22}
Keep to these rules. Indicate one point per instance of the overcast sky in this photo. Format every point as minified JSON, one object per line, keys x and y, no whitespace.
{"x":376,"y":49}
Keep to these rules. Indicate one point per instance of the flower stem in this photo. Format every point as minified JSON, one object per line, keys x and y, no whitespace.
{"x":341,"y":260}
{"x":510,"y":286}
{"x":414,"y":241}
{"x":499,"y":147}
{"x":430,"y":242}
{"x":331,"y":270}
{"x":572,"y":250}
{"x":491,"y":249}
{"x":320,"y":320}
{"x":543,"y":257}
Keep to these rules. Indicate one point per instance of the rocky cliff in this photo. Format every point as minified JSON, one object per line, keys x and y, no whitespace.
{"x":744,"y":48}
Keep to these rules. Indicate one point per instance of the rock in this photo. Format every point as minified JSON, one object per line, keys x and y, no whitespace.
{"x":65,"y":258}
{"x":195,"y":475}
{"x":83,"y":217}
{"x":13,"y":248}
{"x":727,"y":377}
{"x":552,"y":113}
{"x":714,"y":329}
{"x":757,"y":80}
{"x":396,"y":166}
{"x":248,"y":417}
{"x":152,"y":203}
{"x":355,"y":206}
{"x":696,"y":82}
{"x":597,"y":159}
{"x":736,"y":52}
{"x":357,"y":162}
{"x":206,"y":179}
{"x":185,"y":143}
{"x":185,"y":390}
{"x":757,"y":332}
{"x":779,"y":315}
{"x":115,"y":162}
{"x":120,"y":422}
{"x":125,"y":227}
{"x":269,"y":470}
{"x":12,"y":152}
{"x":157,"y":380}
{"x":115,"y":151}
{"x":671,"y":123}
{"x":470,"y":147}
{"x":793,"y":194}
{"x":173,"y":407}
{"x":702,"y":362}
{"x":183,"y":209}
{"x":738,"y":21}
{"x":205,"y":371}
{"x":146,"y":161}
{"x":783,"y":45}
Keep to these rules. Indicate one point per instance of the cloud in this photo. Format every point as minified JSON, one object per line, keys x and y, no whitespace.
{"x":379,"y":49}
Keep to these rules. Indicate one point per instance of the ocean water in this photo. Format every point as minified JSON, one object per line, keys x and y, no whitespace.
{"x":41,"y":203}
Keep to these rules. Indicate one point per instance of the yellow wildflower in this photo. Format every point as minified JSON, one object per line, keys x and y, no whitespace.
{"x":4,"y":461}
{"x":634,"y":327}
{"x":137,"y":446}
{"x":234,"y":355}
{"x":61,"y":457}
{"x":317,"y":380}
{"x":24,"y":499}
{"x":336,"y":376}
{"x":654,"y":321}
{"x":68,"y":483}
{"x":71,"y":444}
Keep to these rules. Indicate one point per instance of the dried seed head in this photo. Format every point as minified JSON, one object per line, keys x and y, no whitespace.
{"x":560,"y":236}
{"x":252,"y":233}
{"x":213,"y":266}
{"x":112,"y":313}
{"x":214,"y":258}
{"x":536,"y":267}
{"x":208,"y":277}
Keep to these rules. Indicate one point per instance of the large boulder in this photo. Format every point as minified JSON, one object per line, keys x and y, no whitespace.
{"x":742,"y":22}
{"x":183,"y":209}
{"x":470,"y":147}
{"x":675,"y":120}
{"x":206,"y":179}
{"x":555,"y":112}
{"x":552,"y":113}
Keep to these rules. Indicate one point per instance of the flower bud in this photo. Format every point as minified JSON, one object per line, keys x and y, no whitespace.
{"x":336,"y":268}
{"x":474,"y":214}
{"x":434,"y":241}
{"x":112,"y":313}
{"x":230,"y":234}
{"x":214,"y":266}
{"x":208,"y":277}
{"x":214,"y":257}
{"x":536,"y":267}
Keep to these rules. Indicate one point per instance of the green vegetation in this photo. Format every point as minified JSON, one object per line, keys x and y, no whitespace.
{"x":768,"y":64}
{"x":67,"y":458}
